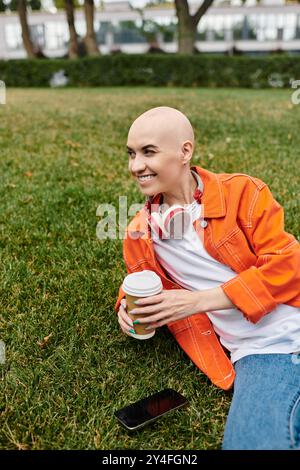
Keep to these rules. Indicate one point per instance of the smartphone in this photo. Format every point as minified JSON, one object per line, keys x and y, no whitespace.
{"x":142,"y":412}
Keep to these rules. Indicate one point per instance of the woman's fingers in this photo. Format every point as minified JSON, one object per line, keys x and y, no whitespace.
{"x":124,"y":327}
{"x":124,"y":314}
{"x":125,"y":321}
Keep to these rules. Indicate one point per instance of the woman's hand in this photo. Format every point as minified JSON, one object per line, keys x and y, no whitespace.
{"x":124,"y":319}
{"x":168,"y":306}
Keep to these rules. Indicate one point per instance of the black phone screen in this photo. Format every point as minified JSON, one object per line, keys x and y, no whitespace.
{"x":150,"y":408}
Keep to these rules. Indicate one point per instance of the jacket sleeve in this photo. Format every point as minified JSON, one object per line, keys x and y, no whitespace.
{"x":275,"y":278}
{"x":121,"y":293}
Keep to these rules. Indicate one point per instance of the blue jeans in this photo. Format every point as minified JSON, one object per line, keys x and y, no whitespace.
{"x":265,"y":408}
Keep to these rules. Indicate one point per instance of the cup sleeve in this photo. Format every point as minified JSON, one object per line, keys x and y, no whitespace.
{"x":121,"y":295}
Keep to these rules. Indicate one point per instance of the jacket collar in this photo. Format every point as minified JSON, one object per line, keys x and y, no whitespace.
{"x":213,"y":196}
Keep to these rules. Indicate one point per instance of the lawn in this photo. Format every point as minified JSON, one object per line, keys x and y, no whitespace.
{"x":68,"y":365}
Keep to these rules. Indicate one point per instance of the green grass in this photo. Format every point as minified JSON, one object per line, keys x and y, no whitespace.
{"x":62,"y":152}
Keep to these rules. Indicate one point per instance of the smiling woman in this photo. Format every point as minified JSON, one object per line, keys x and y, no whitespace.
{"x":217,"y":278}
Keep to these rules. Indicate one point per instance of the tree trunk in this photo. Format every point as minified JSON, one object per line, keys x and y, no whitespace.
{"x":73,"y":43}
{"x":90,"y":38}
{"x":27,"y":42}
{"x":187,"y":24}
{"x":187,"y":31}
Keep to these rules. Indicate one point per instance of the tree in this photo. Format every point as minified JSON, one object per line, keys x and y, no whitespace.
{"x":13,"y":5}
{"x":73,"y":42}
{"x":33,"y":4}
{"x":187,"y":24}
{"x":3,"y":6}
{"x":27,"y":41}
{"x":60,"y":4}
{"x":149,"y":30}
{"x":90,"y":38}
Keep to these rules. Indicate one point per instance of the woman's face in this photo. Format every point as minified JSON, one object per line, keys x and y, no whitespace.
{"x":155,"y":163}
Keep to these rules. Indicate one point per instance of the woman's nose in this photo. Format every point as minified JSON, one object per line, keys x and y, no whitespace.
{"x":137,"y":165}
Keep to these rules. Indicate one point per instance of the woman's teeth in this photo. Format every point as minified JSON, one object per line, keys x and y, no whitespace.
{"x":145,"y":178}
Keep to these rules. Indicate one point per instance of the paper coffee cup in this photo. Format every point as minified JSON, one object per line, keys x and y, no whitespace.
{"x":139,"y":285}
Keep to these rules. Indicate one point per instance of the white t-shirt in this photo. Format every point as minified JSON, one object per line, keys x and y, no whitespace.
{"x":189,"y":264}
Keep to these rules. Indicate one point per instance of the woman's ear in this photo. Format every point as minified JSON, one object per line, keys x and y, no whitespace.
{"x":187,"y":152}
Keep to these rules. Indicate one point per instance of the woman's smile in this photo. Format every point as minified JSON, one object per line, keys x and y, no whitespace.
{"x":145,"y":179}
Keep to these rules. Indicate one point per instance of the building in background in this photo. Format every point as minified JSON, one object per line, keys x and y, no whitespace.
{"x":271,"y":26}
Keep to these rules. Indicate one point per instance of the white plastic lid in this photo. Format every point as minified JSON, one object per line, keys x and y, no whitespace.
{"x":142,"y":284}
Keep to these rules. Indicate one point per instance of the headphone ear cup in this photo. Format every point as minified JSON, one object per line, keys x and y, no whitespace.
{"x":157,"y":226}
{"x":177,"y":220}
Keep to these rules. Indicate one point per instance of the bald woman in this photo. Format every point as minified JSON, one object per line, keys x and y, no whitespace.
{"x":172,"y":135}
{"x":265,"y":408}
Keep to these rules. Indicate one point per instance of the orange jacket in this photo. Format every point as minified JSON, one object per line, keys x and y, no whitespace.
{"x":245,"y":231}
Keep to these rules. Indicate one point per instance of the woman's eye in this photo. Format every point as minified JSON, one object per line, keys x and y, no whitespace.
{"x":147,"y":152}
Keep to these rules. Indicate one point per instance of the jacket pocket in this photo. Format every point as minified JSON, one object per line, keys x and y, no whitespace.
{"x":236,"y":250}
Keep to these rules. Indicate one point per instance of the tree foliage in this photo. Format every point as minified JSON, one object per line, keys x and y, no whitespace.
{"x":33,"y":4}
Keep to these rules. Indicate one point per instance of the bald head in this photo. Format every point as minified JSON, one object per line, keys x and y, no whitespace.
{"x":164,"y":126}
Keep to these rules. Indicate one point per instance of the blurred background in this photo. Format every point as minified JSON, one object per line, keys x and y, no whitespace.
{"x":59,"y":28}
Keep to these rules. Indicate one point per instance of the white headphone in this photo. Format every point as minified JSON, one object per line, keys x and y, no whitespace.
{"x":176,"y":219}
